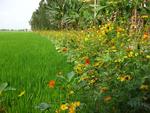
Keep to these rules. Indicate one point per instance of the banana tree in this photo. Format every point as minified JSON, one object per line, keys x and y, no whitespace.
{"x":64,"y":12}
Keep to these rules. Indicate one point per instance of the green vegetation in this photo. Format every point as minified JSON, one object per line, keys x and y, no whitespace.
{"x":81,"y":14}
{"x":106,"y":41}
{"x":27,"y":63}
{"x":111,"y":72}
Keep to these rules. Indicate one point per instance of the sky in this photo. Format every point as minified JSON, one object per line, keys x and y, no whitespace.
{"x":16,"y":14}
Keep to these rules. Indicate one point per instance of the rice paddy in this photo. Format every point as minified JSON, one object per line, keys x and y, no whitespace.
{"x":27,"y":63}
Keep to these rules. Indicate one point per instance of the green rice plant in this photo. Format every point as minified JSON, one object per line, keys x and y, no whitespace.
{"x":28,"y":62}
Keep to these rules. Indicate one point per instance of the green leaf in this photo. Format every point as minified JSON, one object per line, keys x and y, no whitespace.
{"x":70,"y":75}
{"x":9,"y":89}
{"x":43,"y":106}
{"x":107,"y":58}
{"x":3,"y":86}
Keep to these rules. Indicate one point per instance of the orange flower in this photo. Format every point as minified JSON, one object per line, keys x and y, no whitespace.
{"x":87,"y":61}
{"x":145,"y":36}
{"x":51,"y":83}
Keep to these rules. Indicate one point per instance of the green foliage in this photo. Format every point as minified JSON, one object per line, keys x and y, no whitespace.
{"x":111,"y":69}
{"x":27,"y":62}
{"x":81,"y":14}
{"x":43,"y":106}
{"x":4,"y":87}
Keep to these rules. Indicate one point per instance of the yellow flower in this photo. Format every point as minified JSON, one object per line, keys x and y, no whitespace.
{"x":131,"y":54}
{"x":76,"y":104}
{"x":144,"y":87}
{"x":21,"y":94}
{"x":64,"y":107}
{"x":71,"y":109}
{"x":124,"y":78}
{"x":79,"y":68}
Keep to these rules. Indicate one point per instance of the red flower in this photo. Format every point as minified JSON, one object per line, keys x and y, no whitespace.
{"x":51,"y":83}
{"x":87,"y":61}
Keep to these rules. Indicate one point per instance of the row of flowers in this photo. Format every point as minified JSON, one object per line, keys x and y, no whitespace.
{"x":110,"y":69}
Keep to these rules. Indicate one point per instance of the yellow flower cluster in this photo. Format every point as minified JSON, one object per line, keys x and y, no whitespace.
{"x":79,"y":68}
{"x":70,"y":107}
{"x":73,"y":106}
{"x":105,"y":29}
{"x":64,"y":107}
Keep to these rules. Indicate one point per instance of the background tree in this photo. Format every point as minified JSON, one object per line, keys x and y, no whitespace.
{"x":80,"y":14}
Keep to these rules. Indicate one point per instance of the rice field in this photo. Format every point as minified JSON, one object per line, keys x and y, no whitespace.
{"x":27,"y":63}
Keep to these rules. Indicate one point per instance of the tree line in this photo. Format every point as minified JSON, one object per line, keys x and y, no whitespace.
{"x":81,"y":14}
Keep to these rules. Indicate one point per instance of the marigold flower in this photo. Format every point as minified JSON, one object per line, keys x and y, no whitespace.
{"x":73,"y":106}
{"x":51,"y":83}
{"x":72,"y":109}
{"x":76,"y":104}
{"x":124,"y":78}
{"x":64,"y":107}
